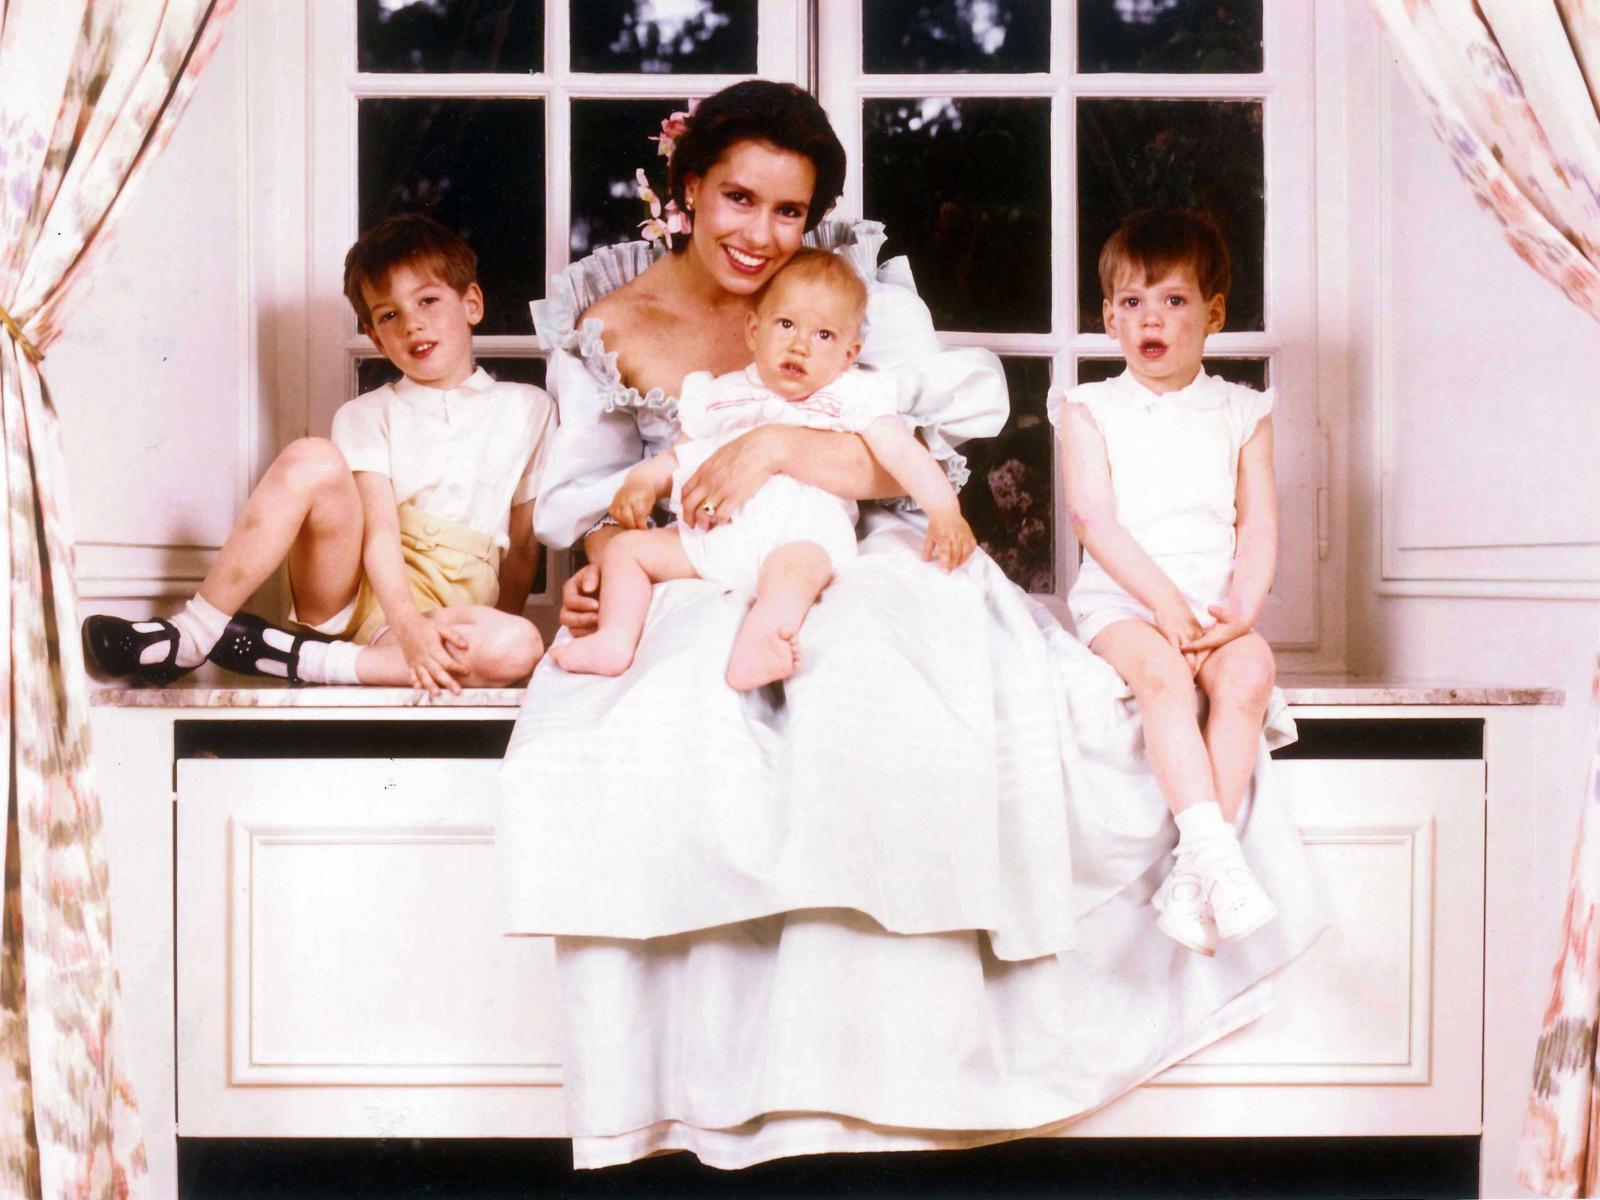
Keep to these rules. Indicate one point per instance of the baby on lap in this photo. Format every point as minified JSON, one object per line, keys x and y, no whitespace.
{"x":786,"y":542}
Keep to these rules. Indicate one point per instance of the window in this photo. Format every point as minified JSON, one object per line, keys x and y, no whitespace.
{"x":998,"y":140}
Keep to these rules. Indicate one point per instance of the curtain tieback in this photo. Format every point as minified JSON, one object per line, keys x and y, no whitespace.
{"x":15,"y":331}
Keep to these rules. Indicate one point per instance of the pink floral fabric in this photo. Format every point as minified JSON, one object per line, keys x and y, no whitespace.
{"x":89,"y":93}
{"x":1509,"y":86}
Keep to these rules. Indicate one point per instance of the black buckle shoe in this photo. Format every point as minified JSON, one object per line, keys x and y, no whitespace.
{"x":112,"y":647}
{"x":243,"y":648}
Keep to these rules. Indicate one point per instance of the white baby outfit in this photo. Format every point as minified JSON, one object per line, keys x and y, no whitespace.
{"x":715,"y":411}
{"x":1174,"y":462}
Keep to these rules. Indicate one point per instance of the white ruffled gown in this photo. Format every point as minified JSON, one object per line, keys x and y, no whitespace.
{"x":905,"y":906}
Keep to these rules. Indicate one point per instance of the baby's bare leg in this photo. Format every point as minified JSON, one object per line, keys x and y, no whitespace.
{"x":1237,"y":679}
{"x":764,"y":649}
{"x":1168,"y":705}
{"x":630,"y":563}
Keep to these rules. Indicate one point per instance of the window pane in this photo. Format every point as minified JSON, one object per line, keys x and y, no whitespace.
{"x":1252,"y":372}
{"x":963,"y":187}
{"x":1010,"y":498}
{"x":1174,"y":36}
{"x":706,"y":37}
{"x":610,"y":140}
{"x":1204,"y":154}
{"x":450,"y":35}
{"x":949,"y":36}
{"x":476,"y":166}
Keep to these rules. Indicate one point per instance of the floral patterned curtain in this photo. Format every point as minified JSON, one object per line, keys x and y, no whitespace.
{"x":1512,"y":88}
{"x":89,"y":92}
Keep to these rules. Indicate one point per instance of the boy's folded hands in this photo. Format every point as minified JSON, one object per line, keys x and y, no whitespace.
{"x":430,"y":650}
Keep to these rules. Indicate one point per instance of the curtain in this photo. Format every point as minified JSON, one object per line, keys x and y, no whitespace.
{"x":1512,"y":88}
{"x":89,"y":92}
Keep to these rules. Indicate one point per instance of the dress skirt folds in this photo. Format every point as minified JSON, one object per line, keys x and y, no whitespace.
{"x":901,"y":902}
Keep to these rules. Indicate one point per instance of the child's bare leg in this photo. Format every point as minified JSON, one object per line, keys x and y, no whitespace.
{"x":1237,"y":679}
{"x":305,"y":511}
{"x":764,"y":649}
{"x":1168,"y":706}
{"x":630,"y":564}
{"x":502,"y":649}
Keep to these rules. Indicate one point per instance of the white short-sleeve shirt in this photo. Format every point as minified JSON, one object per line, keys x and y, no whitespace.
{"x":467,"y":453}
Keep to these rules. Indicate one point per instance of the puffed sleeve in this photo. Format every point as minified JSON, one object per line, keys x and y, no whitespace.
{"x":594,"y":446}
{"x":361,"y":432}
{"x":1085,"y":396}
{"x":947,"y":395}
{"x":1248,"y":408}
{"x":541,"y":425}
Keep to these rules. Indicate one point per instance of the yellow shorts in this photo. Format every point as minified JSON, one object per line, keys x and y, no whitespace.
{"x":446,"y":564}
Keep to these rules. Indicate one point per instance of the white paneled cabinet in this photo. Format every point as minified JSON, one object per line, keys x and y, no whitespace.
{"x":331,"y":921}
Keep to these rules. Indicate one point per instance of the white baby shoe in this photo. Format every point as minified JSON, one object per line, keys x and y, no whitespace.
{"x":1238,"y":904}
{"x":1183,"y":913}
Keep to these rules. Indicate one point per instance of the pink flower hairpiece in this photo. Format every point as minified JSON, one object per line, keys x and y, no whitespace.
{"x":664,"y":220}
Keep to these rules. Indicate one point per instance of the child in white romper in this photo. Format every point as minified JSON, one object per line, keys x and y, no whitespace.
{"x":1170,"y":491}
{"x":787,"y":541}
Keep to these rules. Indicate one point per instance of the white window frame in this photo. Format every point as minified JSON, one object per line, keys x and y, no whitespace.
{"x":1304,"y":591}
{"x":783,"y":51}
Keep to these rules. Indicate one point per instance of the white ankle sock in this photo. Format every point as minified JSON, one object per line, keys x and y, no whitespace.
{"x":329,"y":662}
{"x":200,"y":627}
{"x":1199,"y":824}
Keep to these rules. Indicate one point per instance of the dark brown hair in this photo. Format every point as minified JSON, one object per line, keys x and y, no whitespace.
{"x":409,"y":239}
{"x":760,"y":110}
{"x":1157,"y":241}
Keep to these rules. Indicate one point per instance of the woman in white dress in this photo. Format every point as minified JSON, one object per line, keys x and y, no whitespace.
{"x":904,"y":903}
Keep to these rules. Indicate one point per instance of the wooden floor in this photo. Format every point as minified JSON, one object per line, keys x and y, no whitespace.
{"x":230,"y":1169}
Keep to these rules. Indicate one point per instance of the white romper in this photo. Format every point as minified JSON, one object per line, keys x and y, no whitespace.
{"x":714,"y":411}
{"x":1174,"y":462}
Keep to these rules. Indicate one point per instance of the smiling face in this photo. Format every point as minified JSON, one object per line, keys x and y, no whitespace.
{"x":749,"y":213}
{"x":423,"y":325}
{"x":804,"y":333}
{"x":1162,"y":325}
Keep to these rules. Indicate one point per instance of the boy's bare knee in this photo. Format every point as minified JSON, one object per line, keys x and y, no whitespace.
{"x":310,"y":464}
{"x":1246,"y":681}
{"x":1161,"y":682}
{"x":510,"y":652}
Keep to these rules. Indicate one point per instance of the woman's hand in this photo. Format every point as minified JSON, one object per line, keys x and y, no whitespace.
{"x":950,"y":541}
{"x":732,"y":475}
{"x":580,"y":600}
{"x":430,"y":652}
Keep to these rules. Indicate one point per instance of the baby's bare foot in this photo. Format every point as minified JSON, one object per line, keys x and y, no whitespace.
{"x":597,"y":654}
{"x":761,"y":658}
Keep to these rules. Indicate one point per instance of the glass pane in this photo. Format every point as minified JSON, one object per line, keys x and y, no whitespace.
{"x":949,"y":36}
{"x":1204,"y":154}
{"x":476,"y":166}
{"x":704,"y":37}
{"x":1252,"y":372}
{"x":1010,"y":498}
{"x":610,"y":140}
{"x":450,"y":35}
{"x":963,"y":187}
{"x":1174,"y":36}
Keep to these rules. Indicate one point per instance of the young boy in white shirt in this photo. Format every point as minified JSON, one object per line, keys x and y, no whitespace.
{"x":408,"y":535}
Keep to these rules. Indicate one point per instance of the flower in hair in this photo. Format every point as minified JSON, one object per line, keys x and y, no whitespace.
{"x":663,"y":220}
{"x":673,"y":128}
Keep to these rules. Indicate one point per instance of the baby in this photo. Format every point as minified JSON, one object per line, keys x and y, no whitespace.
{"x":1171,"y":493}
{"x":786,"y":542}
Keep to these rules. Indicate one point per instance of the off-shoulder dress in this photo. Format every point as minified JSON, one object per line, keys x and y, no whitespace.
{"x":902,"y":905}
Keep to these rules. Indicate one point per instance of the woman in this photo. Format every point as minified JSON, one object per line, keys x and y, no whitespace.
{"x":904,"y":903}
